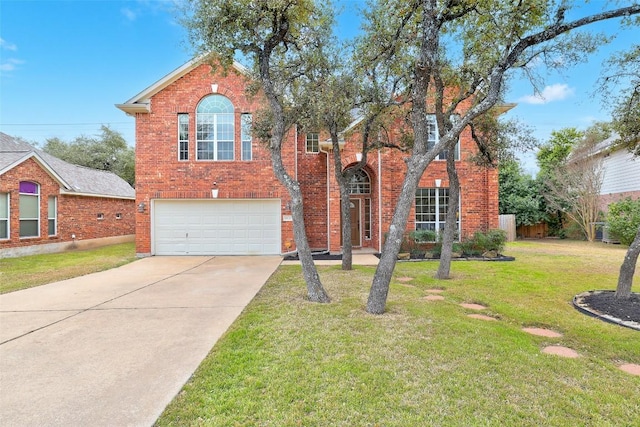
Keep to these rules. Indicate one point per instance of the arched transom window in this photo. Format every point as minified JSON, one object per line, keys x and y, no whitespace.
{"x":215,"y":128}
{"x":360,"y":183}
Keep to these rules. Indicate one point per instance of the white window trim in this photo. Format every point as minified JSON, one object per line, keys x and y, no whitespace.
{"x":306,"y":142}
{"x":214,"y":125}
{"x":437,"y":222}
{"x":37,"y":218}
{"x":366,"y":229}
{"x":245,"y":137}
{"x":432,"y":120}
{"x":215,"y":140}
{"x":55,"y":218}
{"x":180,"y":141}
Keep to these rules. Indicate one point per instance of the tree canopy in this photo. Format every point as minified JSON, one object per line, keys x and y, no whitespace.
{"x":107,"y":151}
{"x":520,"y":194}
{"x":450,"y":58}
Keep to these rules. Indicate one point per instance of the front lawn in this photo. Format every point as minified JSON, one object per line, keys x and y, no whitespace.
{"x":35,"y":270}
{"x":288,"y":362}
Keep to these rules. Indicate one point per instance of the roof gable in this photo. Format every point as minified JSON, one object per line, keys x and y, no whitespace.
{"x":141,"y":103}
{"x":72,"y":178}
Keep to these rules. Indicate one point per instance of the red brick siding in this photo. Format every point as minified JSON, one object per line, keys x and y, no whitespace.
{"x":76,"y":214}
{"x":312,"y":175}
{"x":159,"y":174}
{"x":607,"y":199}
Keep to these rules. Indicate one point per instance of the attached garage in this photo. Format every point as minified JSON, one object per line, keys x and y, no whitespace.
{"x":216,"y":227}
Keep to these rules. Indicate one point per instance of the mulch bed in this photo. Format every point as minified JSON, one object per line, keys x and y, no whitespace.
{"x":603,"y":304}
{"x":421,"y":257}
{"x":338,"y":257}
{"x":317,"y":257}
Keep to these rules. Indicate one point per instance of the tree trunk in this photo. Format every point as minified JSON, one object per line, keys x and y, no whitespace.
{"x":347,"y":247}
{"x":416,"y":165}
{"x":382,"y":278}
{"x":627,"y":269}
{"x":450,"y":228}
{"x":315,"y":290}
{"x":343,"y":177}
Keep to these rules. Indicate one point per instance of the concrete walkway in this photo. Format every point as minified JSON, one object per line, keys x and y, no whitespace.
{"x":114,"y":348}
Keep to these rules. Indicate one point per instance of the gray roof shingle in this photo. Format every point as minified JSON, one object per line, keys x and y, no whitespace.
{"x":74,"y":178}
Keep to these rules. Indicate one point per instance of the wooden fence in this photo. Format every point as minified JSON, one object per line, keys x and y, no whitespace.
{"x":536,"y":231}
{"x":508,"y":224}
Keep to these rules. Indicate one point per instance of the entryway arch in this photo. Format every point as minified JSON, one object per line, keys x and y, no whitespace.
{"x":360,"y":201}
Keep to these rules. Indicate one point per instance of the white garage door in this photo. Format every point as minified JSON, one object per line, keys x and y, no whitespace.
{"x":216,"y":227}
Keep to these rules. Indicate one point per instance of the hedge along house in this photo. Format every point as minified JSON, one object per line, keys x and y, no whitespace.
{"x":204,"y":186}
{"x":49,"y":205}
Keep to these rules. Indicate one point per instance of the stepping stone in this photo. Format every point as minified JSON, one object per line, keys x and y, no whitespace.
{"x":541,"y":332}
{"x":404,"y":279}
{"x":406,"y":285}
{"x":435,"y":291}
{"x":558,"y":350}
{"x":630,"y":368}
{"x":482,"y":317}
{"x":434,"y":298}
{"x":473,"y":306}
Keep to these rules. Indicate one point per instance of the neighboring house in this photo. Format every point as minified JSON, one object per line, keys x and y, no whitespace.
{"x":204,"y":186}
{"x":621,"y":177}
{"x":48,"y":205}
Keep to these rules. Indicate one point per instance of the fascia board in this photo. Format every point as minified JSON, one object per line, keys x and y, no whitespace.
{"x":103,"y":196}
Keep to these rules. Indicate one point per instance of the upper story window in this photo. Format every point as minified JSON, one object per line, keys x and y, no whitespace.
{"x":433,"y":138}
{"x":29,"y":209}
{"x":360,"y":183}
{"x":245,"y":136}
{"x":215,"y":129}
{"x":313,"y":142}
{"x":183,"y":137}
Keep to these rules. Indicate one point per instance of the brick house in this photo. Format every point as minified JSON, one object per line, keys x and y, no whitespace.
{"x":204,"y":186}
{"x":48,"y":205}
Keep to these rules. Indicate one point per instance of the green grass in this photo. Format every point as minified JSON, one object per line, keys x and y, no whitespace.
{"x":288,"y":362}
{"x":35,"y":270}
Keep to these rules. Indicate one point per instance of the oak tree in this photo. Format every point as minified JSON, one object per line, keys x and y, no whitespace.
{"x":473,"y":47}
{"x":280,"y":39}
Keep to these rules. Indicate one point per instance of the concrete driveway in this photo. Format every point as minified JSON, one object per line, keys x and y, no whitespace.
{"x":114,"y":348}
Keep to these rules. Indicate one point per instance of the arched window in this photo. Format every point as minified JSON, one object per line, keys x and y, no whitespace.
{"x":360,"y":183}
{"x":29,"y":209}
{"x":215,"y":128}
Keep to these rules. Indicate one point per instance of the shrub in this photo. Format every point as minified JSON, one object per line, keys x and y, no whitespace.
{"x":492,"y":240}
{"x":469,"y":248}
{"x":408,"y":243}
{"x":623,"y":219}
{"x":423,"y":236}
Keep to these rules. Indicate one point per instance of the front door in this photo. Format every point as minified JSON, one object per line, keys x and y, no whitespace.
{"x":355,"y":213}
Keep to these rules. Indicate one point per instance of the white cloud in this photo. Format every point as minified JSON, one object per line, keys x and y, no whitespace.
{"x":128,"y":13}
{"x":6,"y":45}
{"x":10,"y":64}
{"x":556,"y":92}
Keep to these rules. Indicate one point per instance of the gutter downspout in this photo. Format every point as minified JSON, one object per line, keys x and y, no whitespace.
{"x":328,"y":202}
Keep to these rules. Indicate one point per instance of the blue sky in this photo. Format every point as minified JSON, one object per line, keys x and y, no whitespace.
{"x":64,"y":64}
